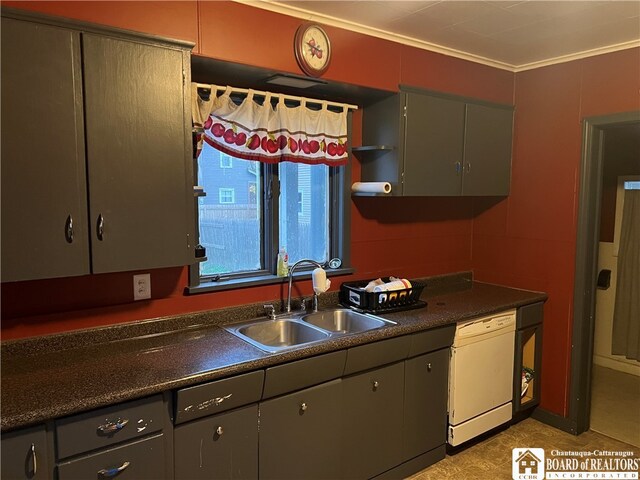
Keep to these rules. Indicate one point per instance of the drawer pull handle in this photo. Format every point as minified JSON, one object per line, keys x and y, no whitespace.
{"x":112,"y":472}
{"x":219,"y":431}
{"x":100,"y":229}
{"x":68,"y":229}
{"x":303,"y":407}
{"x":429,"y":367}
{"x":112,"y":427}
{"x":376,"y":384}
{"x":34,"y":458}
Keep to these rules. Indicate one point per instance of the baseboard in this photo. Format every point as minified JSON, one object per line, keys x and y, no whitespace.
{"x":617,"y":364}
{"x":413,"y":466}
{"x":554,"y":420}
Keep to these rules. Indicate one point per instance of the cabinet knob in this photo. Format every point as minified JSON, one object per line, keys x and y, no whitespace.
{"x":458,"y":168}
{"x":303,"y":407}
{"x":219,"y":431}
{"x":429,"y":367}
{"x":468,"y":167}
{"x":376,"y":384}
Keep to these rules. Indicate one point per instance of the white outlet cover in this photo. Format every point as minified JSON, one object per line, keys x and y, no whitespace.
{"x":142,"y":286}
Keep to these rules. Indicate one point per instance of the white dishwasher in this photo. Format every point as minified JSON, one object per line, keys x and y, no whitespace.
{"x":481,"y":376}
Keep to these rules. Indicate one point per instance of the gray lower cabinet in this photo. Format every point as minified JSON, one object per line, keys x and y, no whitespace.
{"x":425,"y":403}
{"x":25,"y":455}
{"x":300,"y":434}
{"x":372,"y":421}
{"x":141,"y":459}
{"x":96,"y":169}
{"x":432,"y":144}
{"x":223,"y":446}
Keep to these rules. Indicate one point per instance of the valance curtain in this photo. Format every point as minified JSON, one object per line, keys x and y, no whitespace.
{"x":254,"y":131}
{"x":626,"y":313}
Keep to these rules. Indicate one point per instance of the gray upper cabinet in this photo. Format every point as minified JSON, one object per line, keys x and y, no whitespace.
{"x":433,"y":145}
{"x":487,"y":150}
{"x":430,"y":144}
{"x":96,"y":169}
{"x":44,"y":208}
{"x":135,"y":134}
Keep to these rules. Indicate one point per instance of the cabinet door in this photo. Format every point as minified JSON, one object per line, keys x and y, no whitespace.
{"x":425,"y":403}
{"x":137,"y":170}
{"x":433,"y":143}
{"x":25,"y":454}
{"x":44,"y":232}
{"x":372,"y":426}
{"x":223,"y":446}
{"x":487,"y":150}
{"x":299,"y":434}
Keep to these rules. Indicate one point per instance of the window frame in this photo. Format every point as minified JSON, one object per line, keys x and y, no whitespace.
{"x":225,"y":157}
{"x":227,"y":190}
{"x":339,"y":237}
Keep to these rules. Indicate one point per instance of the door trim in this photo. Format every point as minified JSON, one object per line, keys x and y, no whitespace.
{"x":586,"y":263}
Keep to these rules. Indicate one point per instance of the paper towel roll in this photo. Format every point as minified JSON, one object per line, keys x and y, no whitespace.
{"x":371,"y":187}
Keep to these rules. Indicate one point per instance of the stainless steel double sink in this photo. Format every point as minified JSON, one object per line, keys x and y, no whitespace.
{"x":302,"y":329}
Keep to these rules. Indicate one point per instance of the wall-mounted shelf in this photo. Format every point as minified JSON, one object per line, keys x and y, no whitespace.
{"x":373,"y":148}
{"x":370,"y":194}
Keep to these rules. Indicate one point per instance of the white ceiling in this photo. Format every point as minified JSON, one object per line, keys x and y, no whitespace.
{"x":515,"y":35}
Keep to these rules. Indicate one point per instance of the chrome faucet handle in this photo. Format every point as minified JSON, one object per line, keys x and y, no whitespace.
{"x":270,"y":311}
{"x":303,"y":305}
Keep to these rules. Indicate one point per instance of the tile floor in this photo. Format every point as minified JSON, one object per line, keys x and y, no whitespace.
{"x":615,"y":404}
{"x":491,"y":459}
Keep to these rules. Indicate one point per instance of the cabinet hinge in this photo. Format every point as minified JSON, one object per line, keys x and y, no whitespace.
{"x":184,"y":76}
{"x":404,"y":111}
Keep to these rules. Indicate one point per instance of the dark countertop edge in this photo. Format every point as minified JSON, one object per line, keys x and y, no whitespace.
{"x":264,"y":361}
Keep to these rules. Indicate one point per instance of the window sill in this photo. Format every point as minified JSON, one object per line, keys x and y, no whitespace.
{"x":233,"y":283}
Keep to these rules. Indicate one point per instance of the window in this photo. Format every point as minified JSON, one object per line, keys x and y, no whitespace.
{"x":226,"y":161}
{"x":260,"y":207}
{"x":227,"y":195}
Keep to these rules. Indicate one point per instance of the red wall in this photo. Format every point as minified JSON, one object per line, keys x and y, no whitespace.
{"x":409,"y":237}
{"x":528,"y":240}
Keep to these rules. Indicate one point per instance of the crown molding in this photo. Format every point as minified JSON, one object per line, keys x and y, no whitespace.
{"x":578,"y":55}
{"x":278,"y":7}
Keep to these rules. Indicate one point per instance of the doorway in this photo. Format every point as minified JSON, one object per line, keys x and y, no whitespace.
{"x":596,"y":132}
{"x":615,"y":383}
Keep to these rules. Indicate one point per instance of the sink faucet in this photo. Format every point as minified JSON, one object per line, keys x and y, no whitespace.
{"x":291,"y":270}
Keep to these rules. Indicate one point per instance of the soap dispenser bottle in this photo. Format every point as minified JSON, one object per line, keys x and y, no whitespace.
{"x":282,"y":269}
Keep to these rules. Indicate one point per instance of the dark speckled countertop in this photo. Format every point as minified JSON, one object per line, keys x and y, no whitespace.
{"x":49,"y":377}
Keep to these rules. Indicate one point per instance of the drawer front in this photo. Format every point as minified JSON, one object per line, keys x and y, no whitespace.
{"x":215,"y":397}
{"x":25,"y":454}
{"x":108,"y":426}
{"x":141,"y":459}
{"x":376,"y":354}
{"x":529,"y":315}
{"x":303,"y":373}
{"x":431,"y":340}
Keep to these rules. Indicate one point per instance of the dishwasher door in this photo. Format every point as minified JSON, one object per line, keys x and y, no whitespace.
{"x":481,"y":368}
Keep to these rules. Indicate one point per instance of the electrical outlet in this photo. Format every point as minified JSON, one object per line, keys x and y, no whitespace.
{"x":142,"y":286}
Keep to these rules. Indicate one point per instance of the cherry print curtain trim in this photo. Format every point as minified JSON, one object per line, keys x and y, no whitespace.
{"x":254,"y":131}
